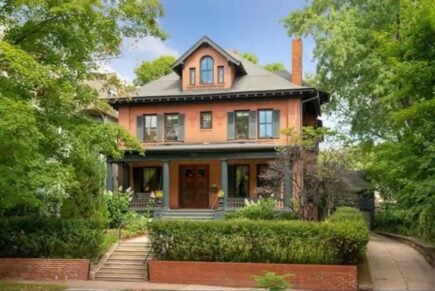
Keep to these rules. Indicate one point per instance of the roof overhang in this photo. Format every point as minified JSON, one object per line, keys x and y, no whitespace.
{"x":207,"y":97}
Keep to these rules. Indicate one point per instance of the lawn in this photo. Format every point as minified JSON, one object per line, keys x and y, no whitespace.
{"x":30,"y":287}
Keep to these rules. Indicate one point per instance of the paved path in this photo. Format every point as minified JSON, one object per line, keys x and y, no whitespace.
{"x":77,"y":285}
{"x":397,"y":266}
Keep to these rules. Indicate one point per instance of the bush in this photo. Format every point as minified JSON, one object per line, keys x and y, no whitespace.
{"x":330,"y":242}
{"x":117,"y":205}
{"x":48,"y":237}
{"x":264,"y":209}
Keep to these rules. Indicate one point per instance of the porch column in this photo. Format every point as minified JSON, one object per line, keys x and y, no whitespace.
{"x":125,"y":176}
{"x":166,"y":184}
{"x":109,"y":176}
{"x":224,"y":181}
{"x":288,"y":185}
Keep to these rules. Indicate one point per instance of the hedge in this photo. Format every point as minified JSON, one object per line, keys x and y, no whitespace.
{"x":342,"y":240}
{"x":42,"y":237}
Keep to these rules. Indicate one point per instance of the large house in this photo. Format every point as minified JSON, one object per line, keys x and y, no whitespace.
{"x":212,"y":124}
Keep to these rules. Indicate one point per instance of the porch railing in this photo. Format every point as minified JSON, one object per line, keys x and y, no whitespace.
{"x":240,"y":202}
{"x":233,"y":203}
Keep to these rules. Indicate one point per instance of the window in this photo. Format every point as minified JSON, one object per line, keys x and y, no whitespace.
{"x":265,"y":123}
{"x":261,"y":171}
{"x":171,"y":127}
{"x":147,"y":179}
{"x":192,"y":76}
{"x":238,"y":181}
{"x":221,"y":74}
{"x":206,"y":120}
{"x":150,"y":127}
{"x":207,"y":70}
{"x":242,"y":124}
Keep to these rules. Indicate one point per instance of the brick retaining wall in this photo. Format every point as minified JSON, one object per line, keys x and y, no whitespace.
{"x":44,"y":269}
{"x":314,"y":277}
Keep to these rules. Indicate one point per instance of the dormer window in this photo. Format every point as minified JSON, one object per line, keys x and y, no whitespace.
{"x":206,"y":70}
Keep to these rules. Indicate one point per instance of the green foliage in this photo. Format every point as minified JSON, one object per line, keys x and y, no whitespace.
{"x":274,"y":67}
{"x":250,"y":57}
{"x":272,"y":281}
{"x":152,"y":70}
{"x":47,"y":51}
{"x":117,"y":206}
{"x":332,"y":242}
{"x":47,"y":237}
{"x":376,"y":59}
{"x":264,"y":209}
{"x":402,"y":221}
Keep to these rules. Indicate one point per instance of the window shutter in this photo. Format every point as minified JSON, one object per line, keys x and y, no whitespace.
{"x":140,"y":127}
{"x":230,"y":126}
{"x":276,"y":127}
{"x":160,"y":127}
{"x":253,"y":124}
{"x":180,"y":136}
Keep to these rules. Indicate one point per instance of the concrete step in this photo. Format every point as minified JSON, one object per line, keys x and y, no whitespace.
{"x":126,"y":258}
{"x":120,"y":278}
{"x":121,"y":268}
{"x":131,"y":251}
{"x":110,"y":272}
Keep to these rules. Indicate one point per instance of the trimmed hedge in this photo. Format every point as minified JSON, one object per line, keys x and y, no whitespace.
{"x":343,"y":240}
{"x":47,"y":237}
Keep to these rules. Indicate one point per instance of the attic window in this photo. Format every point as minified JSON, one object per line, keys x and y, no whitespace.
{"x":206,"y":70}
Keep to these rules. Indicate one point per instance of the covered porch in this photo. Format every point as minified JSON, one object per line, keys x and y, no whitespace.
{"x":191,"y":176}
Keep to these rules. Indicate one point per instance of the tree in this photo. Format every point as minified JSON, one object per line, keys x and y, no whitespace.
{"x":274,"y":67}
{"x":321,"y":180}
{"x":376,"y":59}
{"x":53,"y":148}
{"x":152,"y":70}
{"x":250,"y":57}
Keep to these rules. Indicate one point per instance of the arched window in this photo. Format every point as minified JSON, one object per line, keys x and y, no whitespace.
{"x":206,"y":70}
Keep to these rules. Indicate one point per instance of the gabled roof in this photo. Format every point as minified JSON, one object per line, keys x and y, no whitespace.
{"x":256,"y":79}
{"x":178,"y":65}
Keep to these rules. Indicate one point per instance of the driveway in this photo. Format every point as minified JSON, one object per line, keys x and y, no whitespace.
{"x":397,"y":266}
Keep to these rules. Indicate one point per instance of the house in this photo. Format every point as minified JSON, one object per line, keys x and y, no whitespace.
{"x":212,"y":124}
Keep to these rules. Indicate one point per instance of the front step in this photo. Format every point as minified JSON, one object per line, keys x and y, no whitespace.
{"x":126,"y":263}
{"x":202,"y":214}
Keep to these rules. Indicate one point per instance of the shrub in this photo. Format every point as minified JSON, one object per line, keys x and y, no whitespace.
{"x":48,"y":237}
{"x":272,"y":281}
{"x":330,"y":242}
{"x":117,"y":206}
{"x":264,"y":209}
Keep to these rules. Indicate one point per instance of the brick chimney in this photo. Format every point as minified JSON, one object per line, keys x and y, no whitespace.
{"x":296,"y":61}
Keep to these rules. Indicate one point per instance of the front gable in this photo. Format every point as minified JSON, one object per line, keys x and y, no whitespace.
{"x":206,"y":66}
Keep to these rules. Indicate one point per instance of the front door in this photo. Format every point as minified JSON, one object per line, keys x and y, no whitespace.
{"x":194,"y":189}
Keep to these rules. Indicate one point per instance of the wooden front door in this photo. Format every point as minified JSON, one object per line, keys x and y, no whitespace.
{"x":194,"y":189}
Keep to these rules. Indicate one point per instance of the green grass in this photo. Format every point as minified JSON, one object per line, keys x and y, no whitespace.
{"x":29,"y":287}
{"x":108,"y":240}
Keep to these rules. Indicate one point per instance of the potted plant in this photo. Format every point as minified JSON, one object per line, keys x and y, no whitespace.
{"x":220,"y":196}
{"x":158,"y":194}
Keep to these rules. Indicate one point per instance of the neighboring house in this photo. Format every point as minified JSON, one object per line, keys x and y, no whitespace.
{"x":212,"y":124}
{"x":105,"y":91}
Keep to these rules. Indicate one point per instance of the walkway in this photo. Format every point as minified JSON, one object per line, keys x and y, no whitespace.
{"x":397,"y":266}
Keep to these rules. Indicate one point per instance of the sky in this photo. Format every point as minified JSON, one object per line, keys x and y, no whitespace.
{"x":244,"y":25}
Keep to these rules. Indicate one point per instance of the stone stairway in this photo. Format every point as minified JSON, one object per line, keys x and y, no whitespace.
{"x":193,"y":214}
{"x":127,"y":262}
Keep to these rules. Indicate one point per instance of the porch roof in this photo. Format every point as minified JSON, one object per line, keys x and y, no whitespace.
{"x":202,"y":152}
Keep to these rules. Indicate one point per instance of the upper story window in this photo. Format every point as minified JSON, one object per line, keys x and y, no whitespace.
{"x":192,"y":76}
{"x":206,"y":120}
{"x":171,"y":127}
{"x":150,"y":127}
{"x":221,"y":74}
{"x":242,"y":124}
{"x":206,"y":70}
{"x":265,"y":123}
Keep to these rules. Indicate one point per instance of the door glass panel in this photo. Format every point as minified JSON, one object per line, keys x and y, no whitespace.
{"x":188,"y":173}
{"x":201,"y":173}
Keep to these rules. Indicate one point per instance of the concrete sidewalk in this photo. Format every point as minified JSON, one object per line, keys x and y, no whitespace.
{"x":76,"y":285}
{"x":397,"y":266}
